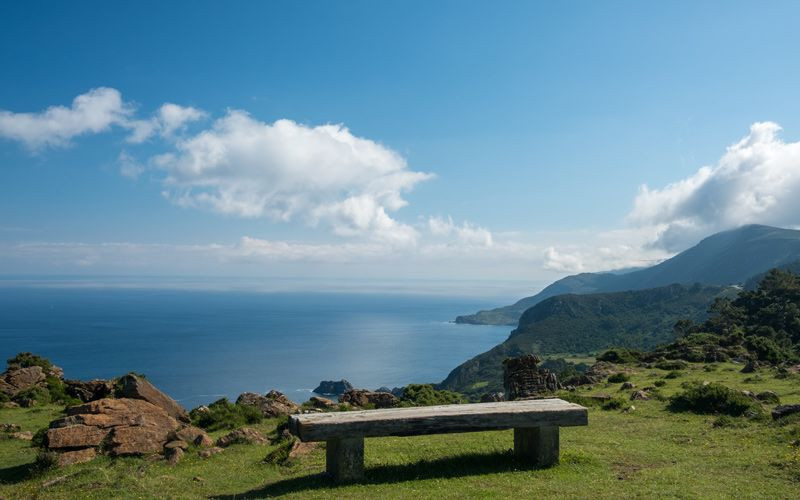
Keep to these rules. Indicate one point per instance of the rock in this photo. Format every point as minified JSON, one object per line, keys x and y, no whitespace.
{"x":383,"y":388}
{"x":177,"y":444}
{"x":135,"y":387}
{"x":89,"y":391}
{"x":10,"y":404}
{"x":322,"y":403}
{"x":627,"y":386}
{"x":768,"y":397}
{"x":333,"y":388}
{"x":245,"y":435}
{"x":522,"y":378}
{"x":75,"y":436}
{"x":210,"y":451}
{"x":16,"y":380}
{"x":71,"y":457}
{"x":174,"y":455}
{"x":629,"y":409}
{"x":23,"y":436}
{"x":299,"y":448}
{"x":639,"y":396}
{"x":750,"y":367}
{"x":105,"y":413}
{"x":595,"y":374}
{"x":198,"y":479}
{"x":493,"y":397}
{"x":785,"y":410}
{"x":138,"y":440}
{"x":273,"y":404}
{"x":27,"y":402}
{"x":362,"y":398}
{"x":10,"y":428}
{"x":194,"y":435}
{"x":748,"y":394}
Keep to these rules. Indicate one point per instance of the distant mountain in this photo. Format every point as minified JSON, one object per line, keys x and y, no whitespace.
{"x":726,"y":258}
{"x":640,"y":319}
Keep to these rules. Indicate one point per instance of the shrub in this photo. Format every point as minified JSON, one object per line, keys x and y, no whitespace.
{"x":712,"y":399}
{"x":57,"y":390}
{"x":767,"y":349}
{"x":28,"y":359}
{"x":620,"y":355}
{"x":222,"y":414}
{"x":672,"y":364}
{"x":660,"y":383}
{"x":673,"y":374}
{"x":616,"y":378}
{"x":38,"y":394}
{"x":613,"y":404}
{"x":427,"y":395}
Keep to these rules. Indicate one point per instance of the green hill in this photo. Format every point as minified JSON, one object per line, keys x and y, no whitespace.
{"x":726,"y":258}
{"x":640,"y":319}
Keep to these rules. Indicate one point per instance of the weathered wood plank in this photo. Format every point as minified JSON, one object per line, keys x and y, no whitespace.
{"x":438,"y":419}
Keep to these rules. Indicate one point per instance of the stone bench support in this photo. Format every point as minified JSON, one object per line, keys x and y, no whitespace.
{"x":536,"y":429}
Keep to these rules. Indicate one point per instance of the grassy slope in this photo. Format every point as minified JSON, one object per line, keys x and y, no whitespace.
{"x":649,"y":452}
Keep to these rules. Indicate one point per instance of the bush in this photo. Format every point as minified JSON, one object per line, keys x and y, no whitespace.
{"x":616,"y":378}
{"x":660,"y":383}
{"x":620,"y":355}
{"x":427,"y":395}
{"x":57,"y":390}
{"x":673,"y":374}
{"x":28,"y":359}
{"x":222,"y":414}
{"x":613,"y":404}
{"x":767,"y":350}
{"x":673,"y":364}
{"x":712,"y":399}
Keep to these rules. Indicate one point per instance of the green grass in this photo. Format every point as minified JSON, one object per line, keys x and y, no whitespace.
{"x":649,"y":452}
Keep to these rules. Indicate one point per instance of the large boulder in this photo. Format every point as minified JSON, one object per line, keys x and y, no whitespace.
{"x":17,"y":379}
{"x":333,"y":387}
{"x":136,"y":387}
{"x":363,"y":398}
{"x":117,"y":426}
{"x":245,"y":435}
{"x":273,"y":404}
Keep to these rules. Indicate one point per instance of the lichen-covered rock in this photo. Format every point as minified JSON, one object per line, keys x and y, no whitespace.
{"x":75,"y":436}
{"x":71,"y":457}
{"x":16,"y":380}
{"x":245,"y":435}
{"x":273,"y":404}
{"x":135,"y":387}
{"x":333,"y":387}
{"x":639,"y":396}
{"x":195,"y":436}
{"x":174,"y":455}
{"x":364,"y":398}
{"x":22,"y":436}
{"x":321,"y":403}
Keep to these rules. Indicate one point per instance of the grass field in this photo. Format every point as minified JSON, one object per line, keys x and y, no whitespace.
{"x":645,"y":453}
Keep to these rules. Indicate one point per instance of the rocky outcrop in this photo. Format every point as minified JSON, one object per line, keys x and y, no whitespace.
{"x":245,"y":435}
{"x":522,"y":378}
{"x":321,"y":403}
{"x":91,"y":390}
{"x":785,"y":411}
{"x":364,"y":398}
{"x":16,"y":380}
{"x":135,"y":387}
{"x":273,"y":404}
{"x":333,"y":388}
{"x":768,"y":397}
{"x":595,"y":374}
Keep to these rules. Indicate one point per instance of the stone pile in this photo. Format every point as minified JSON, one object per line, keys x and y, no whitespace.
{"x":523,"y":378}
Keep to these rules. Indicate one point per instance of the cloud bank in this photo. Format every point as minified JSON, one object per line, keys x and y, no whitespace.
{"x":757,"y":180}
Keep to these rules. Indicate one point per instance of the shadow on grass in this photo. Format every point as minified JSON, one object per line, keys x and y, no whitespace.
{"x":457,"y":466}
{"x":18,"y":473}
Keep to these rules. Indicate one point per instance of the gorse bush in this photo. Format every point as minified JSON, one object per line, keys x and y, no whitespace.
{"x":713,"y":399}
{"x":222,"y":414}
{"x":28,"y":359}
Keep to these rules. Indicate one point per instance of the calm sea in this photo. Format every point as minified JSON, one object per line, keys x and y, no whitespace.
{"x":201,"y":345}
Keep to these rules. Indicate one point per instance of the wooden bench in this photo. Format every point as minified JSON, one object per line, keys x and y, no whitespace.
{"x":535,"y":424}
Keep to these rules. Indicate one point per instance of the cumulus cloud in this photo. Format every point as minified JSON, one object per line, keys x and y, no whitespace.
{"x":466,"y":233}
{"x":93,"y":112}
{"x":96,"y":111}
{"x":286,"y":170}
{"x":757,"y":180}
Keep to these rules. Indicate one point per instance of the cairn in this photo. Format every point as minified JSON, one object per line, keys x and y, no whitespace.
{"x":524,"y":379}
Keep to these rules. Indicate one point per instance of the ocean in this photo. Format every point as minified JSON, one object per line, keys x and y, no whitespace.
{"x":201,"y":345}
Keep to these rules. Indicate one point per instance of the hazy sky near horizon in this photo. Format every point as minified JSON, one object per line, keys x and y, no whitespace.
{"x":436,"y":140}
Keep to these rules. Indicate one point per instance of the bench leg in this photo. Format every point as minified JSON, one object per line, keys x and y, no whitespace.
{"x":539,"y":445}
{"x":345,"y":459}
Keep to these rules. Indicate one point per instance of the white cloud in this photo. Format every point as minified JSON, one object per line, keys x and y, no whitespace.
{"x":285,"y":171}
{"x":172,"y":117}
{"x":93,"y":112}
{"x":757,"y":180}
{"x":466,"y":233}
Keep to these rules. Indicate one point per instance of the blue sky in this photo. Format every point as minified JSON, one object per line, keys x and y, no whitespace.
{"x":423,"y":139}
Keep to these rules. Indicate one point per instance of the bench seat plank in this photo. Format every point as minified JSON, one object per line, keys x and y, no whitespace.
{"x":437,"y":419}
